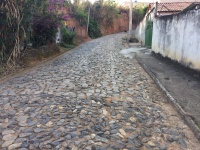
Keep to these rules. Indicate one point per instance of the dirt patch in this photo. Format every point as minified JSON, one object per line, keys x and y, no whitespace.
{"x":173,"y":118}
{"x":191,"y":73}
{"x":36,"y":56}
{"x":79,"y":40}
{"x":30,"y":58}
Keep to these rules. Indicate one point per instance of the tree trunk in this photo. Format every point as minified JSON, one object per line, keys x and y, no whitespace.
{"x":13,"y":17}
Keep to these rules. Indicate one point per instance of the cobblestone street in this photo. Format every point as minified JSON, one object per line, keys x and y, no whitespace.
{"x":90,"y":98}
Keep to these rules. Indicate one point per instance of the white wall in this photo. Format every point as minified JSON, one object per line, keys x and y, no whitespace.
{"x":58,"y":36}
{"x":178,"y":37}
{"x":171,"y":1}
{"x":139,"y":32}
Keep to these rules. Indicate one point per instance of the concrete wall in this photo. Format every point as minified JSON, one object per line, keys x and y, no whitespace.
{"x":178,"y":37}
{"x":58,"y":36}
{"x":172,"y":1}
{"x":139,"y":32}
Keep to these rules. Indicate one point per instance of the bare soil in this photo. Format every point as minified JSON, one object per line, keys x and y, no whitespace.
{"x":32,"y":57}
{"x":181,"y":82}
{"x":175,"y":120}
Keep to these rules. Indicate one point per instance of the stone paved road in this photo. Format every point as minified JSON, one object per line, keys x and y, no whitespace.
{"x":90,"y":98}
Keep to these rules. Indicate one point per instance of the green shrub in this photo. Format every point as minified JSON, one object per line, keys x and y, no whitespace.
{"x":94,"y":29}
{"x":81,"y":16}
{"x":62,"y":44}
{"x":138,"y":14}
{"x":67,"y":36}
{"x":44,"y":29}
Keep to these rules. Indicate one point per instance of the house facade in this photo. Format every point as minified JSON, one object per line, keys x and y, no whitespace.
{"x":173,"y":33}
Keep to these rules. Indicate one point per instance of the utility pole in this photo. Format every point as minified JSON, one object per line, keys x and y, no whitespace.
{"x":88,"y":21}
{"x":130,"y":19}
{"x":156,"y":10}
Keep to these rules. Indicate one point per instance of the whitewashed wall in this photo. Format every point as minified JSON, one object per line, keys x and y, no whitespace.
{"x":173,"y":1}
{"x":139,"y":32}
{"x":58,"y":36}
{"x":178,"y":37}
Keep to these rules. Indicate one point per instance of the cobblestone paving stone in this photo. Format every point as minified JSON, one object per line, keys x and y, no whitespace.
{"x":90,"y":98}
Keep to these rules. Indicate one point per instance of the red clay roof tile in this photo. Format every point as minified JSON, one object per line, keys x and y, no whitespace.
{"x":171,"y":7}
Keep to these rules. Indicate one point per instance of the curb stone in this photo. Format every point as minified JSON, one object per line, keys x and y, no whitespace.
{"x":187,"y":119}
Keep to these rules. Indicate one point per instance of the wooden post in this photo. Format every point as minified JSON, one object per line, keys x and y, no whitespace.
{"x":156,"y":9}
{"x":130,"y":19}
{"x":88,"y":19}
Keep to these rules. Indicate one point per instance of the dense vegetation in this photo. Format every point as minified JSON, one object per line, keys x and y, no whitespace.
{"x":36,"y":22}
{"x":138,"y":14}
{"x":23,"y":21}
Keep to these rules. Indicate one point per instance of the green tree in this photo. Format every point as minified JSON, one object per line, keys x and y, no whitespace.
{"x":138,"y":14}
{"x":104,"y":12}
{"x":94,"y":29}
{"x":16,"y":19}
{"x":81,"y":16}
{"x":11,"y":29}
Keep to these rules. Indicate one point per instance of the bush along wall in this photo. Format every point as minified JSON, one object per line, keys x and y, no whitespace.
{"x":94,"y":29}
{"x":67,"y":35}
{"x":44,"y":29}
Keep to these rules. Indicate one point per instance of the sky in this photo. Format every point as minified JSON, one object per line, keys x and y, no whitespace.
{"x":150,"y":1}
{"x":121,"y":1}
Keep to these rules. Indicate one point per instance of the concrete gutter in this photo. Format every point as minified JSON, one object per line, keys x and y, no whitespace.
{"x":186,"y":117}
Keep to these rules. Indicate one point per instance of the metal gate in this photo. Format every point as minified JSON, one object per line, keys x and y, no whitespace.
{"x":148,"y":34}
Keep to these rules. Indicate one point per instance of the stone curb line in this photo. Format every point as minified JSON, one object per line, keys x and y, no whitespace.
{"x":187,"y":119}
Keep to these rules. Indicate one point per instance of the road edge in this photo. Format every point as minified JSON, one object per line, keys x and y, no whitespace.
{"x":42,"y":63}
{"x":187,"y":119}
